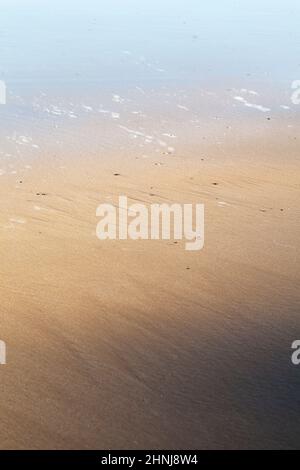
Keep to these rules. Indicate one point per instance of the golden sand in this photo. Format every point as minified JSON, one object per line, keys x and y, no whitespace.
{"x":141,"y":344}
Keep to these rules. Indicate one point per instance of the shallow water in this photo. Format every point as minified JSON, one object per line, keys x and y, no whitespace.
{"x":63,"y":41}
{"x":99,"y":45}
{"x":141,"y":68}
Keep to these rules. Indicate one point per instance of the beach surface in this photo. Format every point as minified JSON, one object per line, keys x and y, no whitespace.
{"x":141,"y":344}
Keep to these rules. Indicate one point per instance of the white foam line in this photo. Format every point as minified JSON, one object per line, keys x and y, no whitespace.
{"x":184,"y":108}
{"x":251,"y":105}
{"x":131,"y":131}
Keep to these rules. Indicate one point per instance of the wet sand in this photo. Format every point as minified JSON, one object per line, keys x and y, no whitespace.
{"x":140,"y":344}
